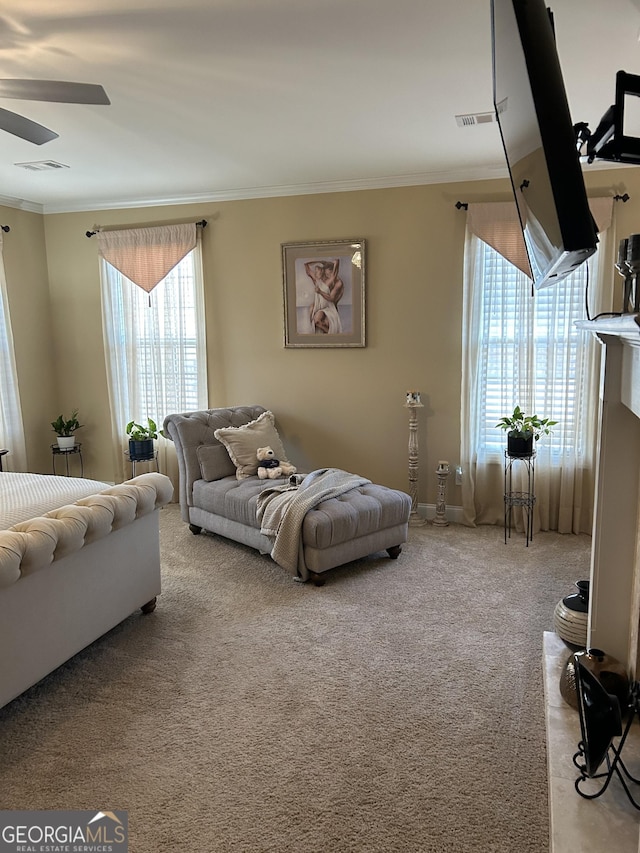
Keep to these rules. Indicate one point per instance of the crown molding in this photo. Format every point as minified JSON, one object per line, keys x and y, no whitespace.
{"x":485,"y":173}
{"x":245,"y":193}
{"x":21,"y":204}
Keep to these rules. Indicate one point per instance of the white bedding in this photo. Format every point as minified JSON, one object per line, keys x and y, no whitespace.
{"x":25,"y":496}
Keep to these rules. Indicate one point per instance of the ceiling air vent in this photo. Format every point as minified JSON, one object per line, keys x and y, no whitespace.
{"x":42,"y":166}
{"x":470,"y":119}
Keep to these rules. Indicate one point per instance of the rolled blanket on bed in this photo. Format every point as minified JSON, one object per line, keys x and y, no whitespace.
{"x":281,"y":511}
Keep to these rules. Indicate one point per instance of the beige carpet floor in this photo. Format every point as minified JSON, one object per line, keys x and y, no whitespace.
{"x":397,"y":708}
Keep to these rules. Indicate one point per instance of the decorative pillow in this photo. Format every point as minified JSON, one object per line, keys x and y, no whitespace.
{"x":243,"y":442}
{"x":214,"y":462}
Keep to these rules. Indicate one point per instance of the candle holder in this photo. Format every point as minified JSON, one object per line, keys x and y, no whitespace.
{"x":442,"y":472}
{"x":413,"y":404}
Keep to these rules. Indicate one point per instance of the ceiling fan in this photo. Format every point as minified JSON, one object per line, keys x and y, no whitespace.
{"x":44,"y":90}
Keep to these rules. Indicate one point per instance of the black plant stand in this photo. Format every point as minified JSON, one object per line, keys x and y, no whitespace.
{"x":526,"y":499}
{"x":136,"y":461}
{"x":66,"y":452}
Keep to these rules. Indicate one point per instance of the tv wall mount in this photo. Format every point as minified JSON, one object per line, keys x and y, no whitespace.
{"x":608,"y":141}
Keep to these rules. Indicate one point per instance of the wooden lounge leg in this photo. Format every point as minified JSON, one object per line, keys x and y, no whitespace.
{"x":195,"y":529}
{"x":318,"y":580}
{"x":394,"y":552}
{"x":150,"y":606}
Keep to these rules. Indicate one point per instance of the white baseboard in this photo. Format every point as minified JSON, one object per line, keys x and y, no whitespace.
{"x":454,"y":514}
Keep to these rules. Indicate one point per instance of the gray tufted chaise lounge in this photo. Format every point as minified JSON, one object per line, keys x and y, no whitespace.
{"x":365,"y":520}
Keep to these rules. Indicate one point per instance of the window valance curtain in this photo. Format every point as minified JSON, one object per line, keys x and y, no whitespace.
{"x":147,"y":255}
{"x":498,"y":225}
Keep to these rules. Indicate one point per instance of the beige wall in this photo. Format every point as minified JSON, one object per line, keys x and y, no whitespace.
{"x":338,"y":407}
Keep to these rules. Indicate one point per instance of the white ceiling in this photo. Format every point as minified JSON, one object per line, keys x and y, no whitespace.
{"x":215,"y":99}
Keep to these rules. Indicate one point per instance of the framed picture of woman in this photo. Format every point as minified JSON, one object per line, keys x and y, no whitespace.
{"x":324,"y":297}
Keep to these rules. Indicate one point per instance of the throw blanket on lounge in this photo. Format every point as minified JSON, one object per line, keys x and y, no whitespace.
{"x":26,"y":496}
{"x":281,"y":511}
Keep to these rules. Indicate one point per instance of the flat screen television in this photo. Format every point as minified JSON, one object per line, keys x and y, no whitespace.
{"x":539,"y":140}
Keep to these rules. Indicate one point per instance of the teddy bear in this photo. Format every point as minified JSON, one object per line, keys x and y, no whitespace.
{"x":269,"y":466}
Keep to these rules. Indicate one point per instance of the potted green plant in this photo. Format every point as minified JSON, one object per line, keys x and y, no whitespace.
{"x":522,"y":430}
{"x":141,"y":440}
{"x":65,"y":428}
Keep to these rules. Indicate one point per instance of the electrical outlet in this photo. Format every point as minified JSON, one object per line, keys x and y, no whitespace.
{"x":458,"y":475}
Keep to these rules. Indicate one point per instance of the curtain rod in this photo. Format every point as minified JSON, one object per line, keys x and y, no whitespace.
{"x":202,"y":223}
{"x":623,"y":198}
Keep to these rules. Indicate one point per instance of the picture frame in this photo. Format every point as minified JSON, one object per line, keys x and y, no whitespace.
{"x":324,"y":293}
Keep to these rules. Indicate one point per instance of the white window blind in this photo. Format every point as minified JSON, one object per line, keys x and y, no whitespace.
{"x":530,"y":354}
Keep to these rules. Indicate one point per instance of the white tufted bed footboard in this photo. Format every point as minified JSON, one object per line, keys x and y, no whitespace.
{"x":71,"y":575}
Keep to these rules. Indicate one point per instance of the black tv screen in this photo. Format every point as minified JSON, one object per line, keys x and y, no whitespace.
{"x":539,"y":140}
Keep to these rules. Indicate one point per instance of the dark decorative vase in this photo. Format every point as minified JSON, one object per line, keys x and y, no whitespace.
{"x":571,"y":615}
{"x":607,"y":669}
{"x":518,"y":446}
{"x":139,"y":451}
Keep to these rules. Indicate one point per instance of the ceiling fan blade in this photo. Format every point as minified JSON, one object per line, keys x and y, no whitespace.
{"x":25,"y":128}
{"x":53,"y":90}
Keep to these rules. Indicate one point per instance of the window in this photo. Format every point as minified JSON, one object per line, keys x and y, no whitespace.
{"x":155,"y":344}
{"x":530,"y":353}
{"x":523,"y":349}
{"x":11,"y":427}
